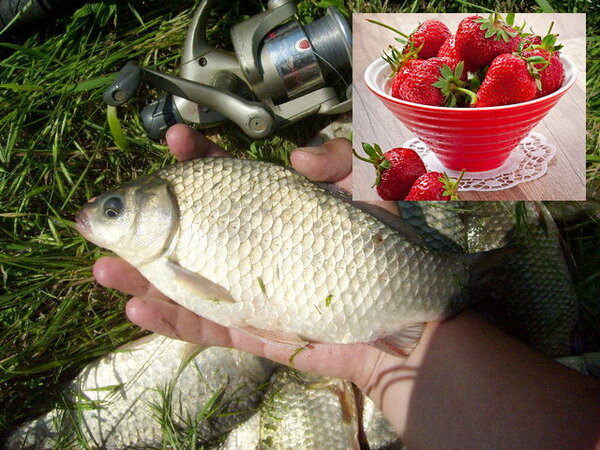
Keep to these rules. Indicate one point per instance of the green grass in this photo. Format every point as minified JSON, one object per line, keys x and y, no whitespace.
{"x":57,"y":150}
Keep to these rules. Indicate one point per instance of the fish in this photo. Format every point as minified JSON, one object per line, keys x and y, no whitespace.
{"x":126,"y":398}
{"x":243,"y":437}
{"x":531,"y":295}
{"x":301,"y":410}
{"x":440,"y":224}
{"x":260,"y":248}
{"x":586,"y":363}
{"x":379,"y":433}
{"x":565,"y":212}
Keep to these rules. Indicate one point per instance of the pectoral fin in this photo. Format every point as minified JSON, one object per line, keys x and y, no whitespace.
{"x":403,"y":342}
{"x":199,"y":285}
{"x":190,"y":350}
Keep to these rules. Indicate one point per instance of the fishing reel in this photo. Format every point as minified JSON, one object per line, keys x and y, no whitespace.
{"x":279,"y":73}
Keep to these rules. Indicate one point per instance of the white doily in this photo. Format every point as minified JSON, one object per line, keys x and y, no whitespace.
{"x":527,"y":162}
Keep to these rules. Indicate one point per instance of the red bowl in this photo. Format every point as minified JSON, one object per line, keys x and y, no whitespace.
{"x":473,"y":139}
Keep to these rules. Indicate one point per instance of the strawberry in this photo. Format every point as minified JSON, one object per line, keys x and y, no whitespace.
{"x":397,"y":169}
{"x":435,"y":81}
{"x":532,"y":39}
{"x":448,"y":49}
{"x":398,"y":61}
{"x":429,"y":37}
{"x":425,"y":41}
{"x":407,"y":68}
{"x":510,"y":79}
{"x":478,"y":40}
{"x":552,"y":76}
{"x":434,"y":186}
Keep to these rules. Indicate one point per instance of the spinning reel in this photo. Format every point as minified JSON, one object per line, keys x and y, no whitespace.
{"x":280,"y":73}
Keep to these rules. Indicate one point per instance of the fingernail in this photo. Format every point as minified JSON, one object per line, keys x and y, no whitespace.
{"x":313,"y":150}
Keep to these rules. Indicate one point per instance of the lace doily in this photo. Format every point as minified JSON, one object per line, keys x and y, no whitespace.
{"x":527,"y":162}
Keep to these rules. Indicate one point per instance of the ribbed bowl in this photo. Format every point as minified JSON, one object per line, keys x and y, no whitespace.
{"x":473,"y":139}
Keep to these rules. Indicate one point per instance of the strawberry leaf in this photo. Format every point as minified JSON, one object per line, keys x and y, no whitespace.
{"x":452,"y":87}
{"x":376,"y":157}
{"x":451,"y":187}
{"x":397,"y":59}
{"x":369,"y":150}
{"x":495,"y":27}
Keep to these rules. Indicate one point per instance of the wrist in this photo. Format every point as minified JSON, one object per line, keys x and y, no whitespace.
{"x":388,"y":380}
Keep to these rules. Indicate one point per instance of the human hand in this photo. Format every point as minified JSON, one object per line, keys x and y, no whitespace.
{"x":151,"y":309}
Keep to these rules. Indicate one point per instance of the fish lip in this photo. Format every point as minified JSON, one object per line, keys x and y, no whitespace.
{"x":82,"y":223}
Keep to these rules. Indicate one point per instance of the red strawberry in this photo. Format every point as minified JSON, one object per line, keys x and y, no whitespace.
{"x":508,"y":80}
{"x":400,"y":75}
{"x":429,"y":37}
{"x":434,"y":186}
{"x":552,"y":76}
{"x":397,"y":170}
{"x":448,"y":49}
{"x":398,"y":61}
{"x":425,"y":41}
{"x":435,"y":81}
{"x":479,"y":40}
{"x":532,"y":39}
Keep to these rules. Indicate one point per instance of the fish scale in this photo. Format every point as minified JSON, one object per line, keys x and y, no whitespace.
{"x":305,"y":411}
{"x":532,"y":296}
{"x":300,"y":209}
{"x":110,"y":401}
{"x":295,"y":258}
{"x":538,"y":300}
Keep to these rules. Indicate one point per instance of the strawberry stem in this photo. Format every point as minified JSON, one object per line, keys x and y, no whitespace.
{"x":381,"y":24}
{"x":472,"y":95}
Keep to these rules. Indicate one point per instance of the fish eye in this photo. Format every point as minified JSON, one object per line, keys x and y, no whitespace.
{"x":113,"y":207}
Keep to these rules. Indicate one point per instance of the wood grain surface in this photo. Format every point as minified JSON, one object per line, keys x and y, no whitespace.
{"x":564,"y":126}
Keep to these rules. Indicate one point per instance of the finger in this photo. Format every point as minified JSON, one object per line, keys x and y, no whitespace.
{"x":176,"y":322}
{"x":169,"y":319}
{"x":334,"y":360}
{"x":332,"y":162}
{"x":389,"y":206}
{"x":113,"y":272}
{"x":186,"y":143}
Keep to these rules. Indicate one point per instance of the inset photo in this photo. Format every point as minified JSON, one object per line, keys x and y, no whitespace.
{"x":469,"y":106}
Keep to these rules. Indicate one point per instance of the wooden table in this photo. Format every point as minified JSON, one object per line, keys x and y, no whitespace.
{"x":564,"y":126}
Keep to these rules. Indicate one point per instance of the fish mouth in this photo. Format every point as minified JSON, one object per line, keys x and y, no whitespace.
{"x":82,"y":223}
{"x":82,"y":220}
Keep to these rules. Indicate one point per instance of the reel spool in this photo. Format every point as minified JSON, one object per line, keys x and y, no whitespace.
{"x":280,"y":72}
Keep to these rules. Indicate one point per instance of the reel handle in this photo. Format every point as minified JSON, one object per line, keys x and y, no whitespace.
{"x":253,"y":118}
